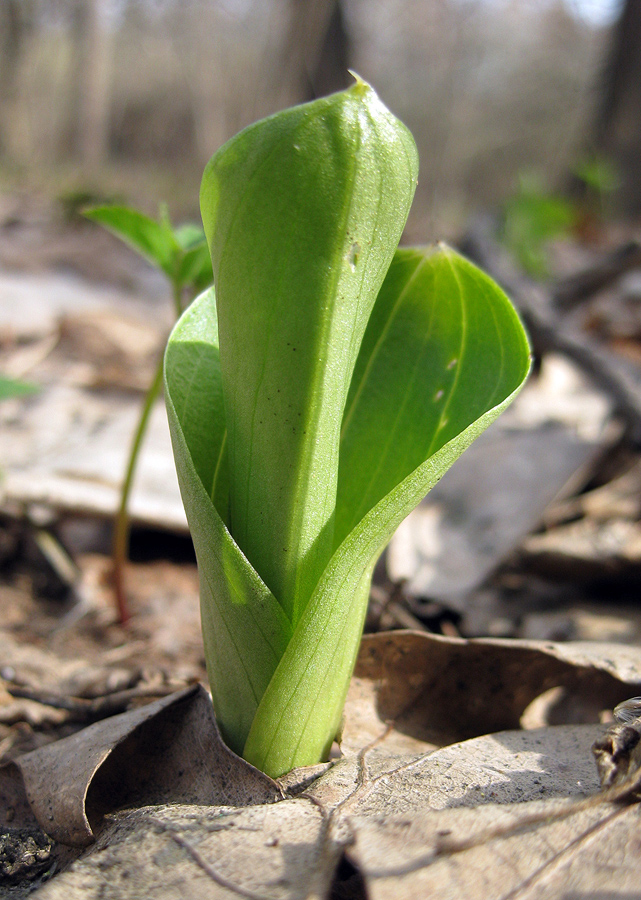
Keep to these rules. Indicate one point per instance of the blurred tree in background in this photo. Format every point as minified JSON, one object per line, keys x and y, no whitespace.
{"x":618,"y":128}
{"x":133,"y":96}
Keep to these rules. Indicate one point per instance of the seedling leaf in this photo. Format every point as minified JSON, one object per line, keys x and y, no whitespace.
{"x":195,"y":266}
{"x":151,"y":239}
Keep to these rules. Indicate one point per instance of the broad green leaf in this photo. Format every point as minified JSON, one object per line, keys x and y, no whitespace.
{"x":439,"y":351}
{"x":11,"y":387}
{"x":434,"y":308}
{"x":302,"y":213}
{"x":244,"y":628}
{"x":151,"y":239}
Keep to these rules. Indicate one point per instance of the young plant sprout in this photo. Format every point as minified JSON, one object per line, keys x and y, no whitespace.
{"x":181,"y":255}
{"x":12,"y":387}
{"x":314,"y":399}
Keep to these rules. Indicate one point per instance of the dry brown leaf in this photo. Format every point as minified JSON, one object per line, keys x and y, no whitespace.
{"x":499,"y":852}
{"x":104,"y":348}
{"x":174,"y":853}
{"x":438,"y":690}
{"x":399,"y":822}
{"x":169,"y":749}
{"x":505,"y":814}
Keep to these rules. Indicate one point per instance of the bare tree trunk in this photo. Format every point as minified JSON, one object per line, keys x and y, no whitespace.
{"x":15,"y":24}
{"x":315,"y":52}
{"x":11,"y":36}
{"x":92,"y":83}
{"x":331,"y":71}
{"x":618,"y":127}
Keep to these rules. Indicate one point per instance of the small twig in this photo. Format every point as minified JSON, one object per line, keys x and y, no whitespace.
{"x":390,"y":604}
{"x":84,"y":710}
{"x":579,"y":287}
{"x":57,"y":557}
{"x":550,"y":332}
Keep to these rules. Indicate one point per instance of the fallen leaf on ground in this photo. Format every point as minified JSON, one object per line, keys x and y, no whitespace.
{"x":438,"y":690}
{"x":169,"y":749}
{"x":442,"y":796}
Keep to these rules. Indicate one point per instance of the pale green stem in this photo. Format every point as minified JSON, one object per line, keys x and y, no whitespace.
{"x":120,"y":549}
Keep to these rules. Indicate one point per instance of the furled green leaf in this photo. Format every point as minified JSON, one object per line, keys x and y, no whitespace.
{"x":439,"y":325}
{"x":434,"y":307}
{"x":303,"y":212}
{"x":244,"y":628}
{"x":151,"y":239}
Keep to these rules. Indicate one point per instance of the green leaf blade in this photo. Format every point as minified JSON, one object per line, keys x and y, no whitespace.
{"x":244,"y":628}
{"x":153,"y":240}
{"x":193,"y":367}
{"x":302,"y":213}
{"x":443,"y":346}
{"x":306,"y":688}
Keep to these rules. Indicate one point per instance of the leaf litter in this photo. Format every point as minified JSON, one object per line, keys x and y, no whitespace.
{"x":420,"y":794}
{"x":156,"y":805}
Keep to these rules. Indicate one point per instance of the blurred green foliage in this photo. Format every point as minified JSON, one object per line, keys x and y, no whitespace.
{"x":532,"y":217}
{"x":11,"y":387}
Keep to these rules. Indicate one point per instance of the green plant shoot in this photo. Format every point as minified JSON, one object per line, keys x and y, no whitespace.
{"x":181,"y":254}
{"x":532,"y":218}
{"x":13,"y":387}
{"x":313,"y":400}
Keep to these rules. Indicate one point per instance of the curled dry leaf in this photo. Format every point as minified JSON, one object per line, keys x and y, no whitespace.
{"x":618,"y":752}
{"x":167,"y":750}
{"x":438,"y":690}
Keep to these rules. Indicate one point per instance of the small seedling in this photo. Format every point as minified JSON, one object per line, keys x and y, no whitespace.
{"x":598,"y":181}
{"x":534,"y":217}
{"x":182,"y":255}
{"x":13,"y":387}
{"x":313,"y":400}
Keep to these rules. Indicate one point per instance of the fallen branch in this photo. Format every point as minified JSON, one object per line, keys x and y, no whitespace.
{"x":572,"y":291}
{"x":87,"y":711}
{"x":550,"y":332}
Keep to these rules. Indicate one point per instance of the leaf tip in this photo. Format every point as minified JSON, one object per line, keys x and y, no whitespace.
{"x":361,"y":86}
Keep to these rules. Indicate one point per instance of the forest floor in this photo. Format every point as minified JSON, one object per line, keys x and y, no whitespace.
{"x":546,"y":548}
